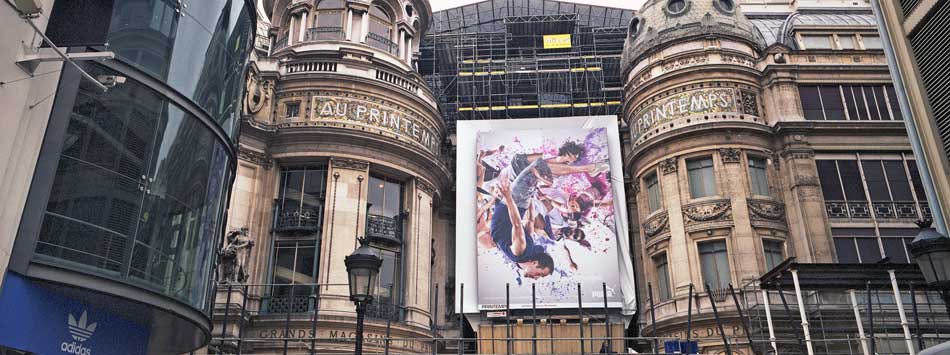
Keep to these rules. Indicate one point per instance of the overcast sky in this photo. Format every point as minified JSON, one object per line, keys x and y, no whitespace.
{"x":625,"y":4}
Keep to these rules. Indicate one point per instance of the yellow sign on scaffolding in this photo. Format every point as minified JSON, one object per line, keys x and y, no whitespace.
{"x":557,"y":41}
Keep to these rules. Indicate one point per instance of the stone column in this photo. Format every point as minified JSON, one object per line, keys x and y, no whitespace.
{"x":408,"y":49}
{"x":364,"y":25}
{"x":678,"y":253}
{"x":349,"y":24}
{"x":744,"y":248}
{"x":290,"y":31}
{"x":344,"y":219}
{"x":417,"y":251}
{"x":401,"y":43}
{"x":303,"y":26}
{"x":808,"y":232}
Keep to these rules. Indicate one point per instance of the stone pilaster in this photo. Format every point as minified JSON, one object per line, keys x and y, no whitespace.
{"x":344,"y":221}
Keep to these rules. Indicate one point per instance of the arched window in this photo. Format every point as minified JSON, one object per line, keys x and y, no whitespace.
{"x":381,"y":29}
{"x":328,"y":20}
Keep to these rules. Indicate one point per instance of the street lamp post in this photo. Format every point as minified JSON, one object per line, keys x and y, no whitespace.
{"x":931,"y":251}
{"x":363,"y":269}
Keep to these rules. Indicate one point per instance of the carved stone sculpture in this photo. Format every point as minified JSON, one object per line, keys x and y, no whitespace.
{"x":233,"y":256}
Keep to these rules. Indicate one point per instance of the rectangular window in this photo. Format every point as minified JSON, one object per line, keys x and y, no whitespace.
{"x":714,"y":261}
{"x":885,"y":189}
{"x":390,"y":277}
{"x":293,"y":109}
{"x":662,"y":277}
{"x":872,"y":42}
{"x":301,"y":198}
{"x":831,"y":102}
{"x":893,"y":102}
{"x":293,"y":273}
{"x":702,"y":180}
{"x":854,"y":101}
{"x":846,"y":41}
{"x":811,"y":102}
{"x":856,"y":245}
{"x":758,"y":176}
{"x":384,"y":204}
{"x":828,"y":178}
{"x":653,"y":192}
{"x":817,"y":41}
{"x":875,"y":180}
{"x":774,"y":251}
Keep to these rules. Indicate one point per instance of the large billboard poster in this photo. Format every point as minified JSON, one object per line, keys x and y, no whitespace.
{"x":544,"y":209}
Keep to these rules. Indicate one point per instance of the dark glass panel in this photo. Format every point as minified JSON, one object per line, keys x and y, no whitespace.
{"x":811,"y":102}
{"x":876,"y":182}
{"x":897,"y":180}
{"x":854,"y":102}
{"x":846,"y":251}
{"x":871,"y":100}
{"x":831,"y":100}
{"x":869,"y":250}
{"x":828,"y":177}
{"x":915,"y":179}
{"x":851,"y":180}
{"x":894,"y":102}
{"x":894,"y":248}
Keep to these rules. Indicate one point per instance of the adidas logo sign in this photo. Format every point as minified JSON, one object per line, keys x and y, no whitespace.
{"x":81,"y":331}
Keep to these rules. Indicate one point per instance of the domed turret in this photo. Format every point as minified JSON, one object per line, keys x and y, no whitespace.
{"x":662,"y":22}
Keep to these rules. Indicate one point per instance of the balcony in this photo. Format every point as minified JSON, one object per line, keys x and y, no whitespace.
{"x":302,"y":298}
{"x":388,"y":229}
{"x":298,"y":219}
{"x":324,"y":34}
{"x":861,"y":210}
{"x":280,"y":43}
{"x":380,"y":42}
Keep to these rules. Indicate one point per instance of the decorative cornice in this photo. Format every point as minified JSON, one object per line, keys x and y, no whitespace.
{"x":425,"y":187}
{"x":255,"y":157}
{"x":350,"y":164}
{"x":729,"y":155}
{"x":766,"y":210}
{"x":806,"y":181}
{"x":668,"y":165}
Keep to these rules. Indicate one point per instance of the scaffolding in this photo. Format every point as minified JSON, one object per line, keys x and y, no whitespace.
{"x":488,"y":60}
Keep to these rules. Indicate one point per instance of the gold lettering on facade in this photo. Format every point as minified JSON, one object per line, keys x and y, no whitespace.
{"x":396,"y":121}
{"x":699,"y":101}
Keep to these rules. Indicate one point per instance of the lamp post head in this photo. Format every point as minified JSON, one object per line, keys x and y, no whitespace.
{"x":363,"y":269}
{"x":931,"y":251}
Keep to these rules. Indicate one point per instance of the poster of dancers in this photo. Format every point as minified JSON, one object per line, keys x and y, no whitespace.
{"x":544,"y":215}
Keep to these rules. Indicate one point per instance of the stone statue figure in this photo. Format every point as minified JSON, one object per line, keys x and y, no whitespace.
{"x":232,"y":257}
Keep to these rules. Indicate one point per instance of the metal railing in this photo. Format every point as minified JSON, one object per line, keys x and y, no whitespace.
{"x":280,"y":43}
{"x":324,"y":33}
{"x":382,"y":227}
{"x":864,"y":210}
{"x":377,"y":41}
{"x":303,"y":219}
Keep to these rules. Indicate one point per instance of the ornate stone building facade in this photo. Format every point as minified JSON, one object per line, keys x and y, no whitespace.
{"x":758,"y":133}
{"x":341,"y":139}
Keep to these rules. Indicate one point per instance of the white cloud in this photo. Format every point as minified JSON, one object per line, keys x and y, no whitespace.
{"x":623,"y":4}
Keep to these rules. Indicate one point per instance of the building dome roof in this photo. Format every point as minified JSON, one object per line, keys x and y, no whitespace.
{"x":661,"y":22}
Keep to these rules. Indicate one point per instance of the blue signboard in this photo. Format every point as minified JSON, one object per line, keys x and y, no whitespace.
{"x":39,"y":320}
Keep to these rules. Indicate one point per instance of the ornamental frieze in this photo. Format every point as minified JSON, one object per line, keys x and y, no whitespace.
{"x":656,"y":224}
{"x":684,"y":62}
{"x":708,"y":211}
{"x":766,"y":210}
{"x":349,"y":164}
{"x":255,"y":157}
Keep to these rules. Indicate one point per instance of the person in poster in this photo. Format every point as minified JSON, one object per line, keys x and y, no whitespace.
{"x":544,"y":210}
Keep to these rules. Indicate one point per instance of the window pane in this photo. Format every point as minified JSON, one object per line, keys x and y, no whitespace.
{"x":758,"y":177}
{"x":894,"y":248}
{"x":811,"y":103}
{"x":306,"y":260}
{"x":284,"y":264}
{"x":817,"y":41}
{"x":868,"y":249}
{"x":872,"y":42}
{"x":830,"y":184}
{"x":376,"y":195}
{"x":774,"y":254}
{"x":894,"y":103}
{"x":662,"y":277}
{"x":392,"y":205}
{"x":389,"y":276}
{"x":897,"y":180}
{"x":870,"y":95}
{"x":653,"y":192}
{"x":880,"y":102}
{"x":877,"y":184}
{"x":701,"y":177}
{"x":846,"y":41}
{"x":831,"y":100}
{"x":847,"y":252}
{"x":715,"y":264}
{"x":854,"y":100}
{"x":850,"y":175}
{"x":915,"y":179}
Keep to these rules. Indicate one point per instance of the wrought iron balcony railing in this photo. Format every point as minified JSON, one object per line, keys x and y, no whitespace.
{"x":380,"y":42}
{"x":304,"y":219}
{"x":382,"y":227}
{"x":862,"y":210}
{"x":324,"y":34}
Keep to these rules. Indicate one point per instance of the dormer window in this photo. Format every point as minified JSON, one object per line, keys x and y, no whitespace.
{"x":726,"y":6}
{"x":635,"y":25}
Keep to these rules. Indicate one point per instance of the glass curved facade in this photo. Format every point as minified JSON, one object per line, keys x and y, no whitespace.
{"x":139,"y":192}
{"x":199,"y":50}
{"x":140,"y":182}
